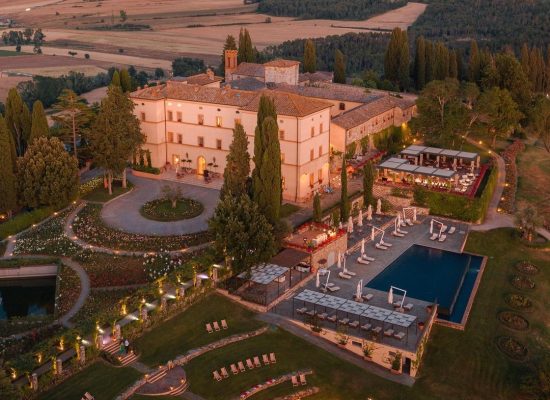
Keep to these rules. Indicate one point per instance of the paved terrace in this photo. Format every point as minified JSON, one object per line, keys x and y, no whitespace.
{"x":417,"y":234}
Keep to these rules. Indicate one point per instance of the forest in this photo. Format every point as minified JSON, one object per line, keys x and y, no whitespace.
{"x":328,"y":9}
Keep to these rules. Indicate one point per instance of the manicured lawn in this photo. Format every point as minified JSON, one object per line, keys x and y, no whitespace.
{"x":288,"y":209}
{"x":11,"y":53}
{"x":100,"y":194}
{"x":101,"y":380}
{"x":162,"y":210}
{"x":187,"y":330}
{"x":534,"y":179}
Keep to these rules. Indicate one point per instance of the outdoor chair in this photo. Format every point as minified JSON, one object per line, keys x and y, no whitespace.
{"x":397,"y":234}
{"x":234,"y":369}
{"x":385,"y":243}
{"x":265,"y":359}
{"x":332,"y":318}
{"x":444,"y":229}
{"x":224,"y":373}
{"x":257,"y":362}
{"x":295,"y":381}
{"x":402,"y":231}
{"x":409,"y":222}
{"x":350,"y":273}
{"x":241,"y":366}
{"x":272,"y":358}
{"x":377,"y":329}
{"x":301,"y":310}
{"x":452,"y":230}
{"x":249,"y":364}
{"x":333,"y":288}
{"x":216,"y":326}
{"x":361,"y":260}
{"x":396,"y":304}
{"x":408,"y":306}
{"x":209,"y":328}
{"x":399,"y":335}
{"x":389,"y":332}
{"x":365,"y":257}
{"x":311,"y":313}
{"x":434,"y":236}
{"x":380,"y":247}
{"x":442,"y":238}
{"x":217,"y":376}
{"x":368,"y":296}
{"x":224,"y":324}
{"x":366,"y":327}
{"x":87,"y":396}
{"x":322,"y":316}
{"x":303,"y":379}
{"x":343,"y":321}
{"x":354,"y":324}
{"x":344,"y":276}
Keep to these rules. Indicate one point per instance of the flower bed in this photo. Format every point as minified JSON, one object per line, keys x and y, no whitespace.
{"x":518,"y":301}
{"x":522,"y":282}
{"x":89,"y":227}
{"x":161,"y":209}
{"x":509,"y":155}
{"x":513,"y":320}
{"x":512,"y":348}
{"x":107,"y":270}
{"x":527,"y":268}
{"x":68,"y":290}
{"x":47,"y":238}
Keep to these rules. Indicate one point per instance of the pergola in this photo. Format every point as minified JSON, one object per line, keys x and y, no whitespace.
{"x":360,"y":310}
{"x":403,"y":169}
{"x":419,"y":154}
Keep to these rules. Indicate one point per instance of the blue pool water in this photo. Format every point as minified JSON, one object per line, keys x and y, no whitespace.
{"x":26,"y":297}
{"x":433,"y":275}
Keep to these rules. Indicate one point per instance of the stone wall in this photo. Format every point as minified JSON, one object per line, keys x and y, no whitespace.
{"x":329,"y":252}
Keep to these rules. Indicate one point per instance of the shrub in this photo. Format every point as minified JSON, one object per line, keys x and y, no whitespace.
{"x":146,"y":168}
{"x":22,"y":221}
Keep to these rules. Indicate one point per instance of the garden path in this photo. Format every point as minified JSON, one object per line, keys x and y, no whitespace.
{"x":123,"y":212}
{"x":84,"y":291}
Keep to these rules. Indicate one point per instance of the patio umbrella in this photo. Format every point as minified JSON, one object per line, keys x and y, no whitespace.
{"x":340,"y":225}
{"x":339,"y":264}
{"x":432,"y":226}
{"x":390,"y":296}
{"x":350,"y":224}
{"x":317,"y":283}
{"x":362,"y":246}
{"x":369,"y":213}
{"x":344,"y":263}
{"x":372,"y":234}
{"x":379,"y":207}
{"x":359,"y":292}
{"x":360,"y":218}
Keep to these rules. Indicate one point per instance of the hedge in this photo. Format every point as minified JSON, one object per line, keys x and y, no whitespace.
{"x":455,"y":206}
{"x":145,"y":168}
{"x":22,"y":221}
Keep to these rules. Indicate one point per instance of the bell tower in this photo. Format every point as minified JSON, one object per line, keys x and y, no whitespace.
{"x":230,"y":63}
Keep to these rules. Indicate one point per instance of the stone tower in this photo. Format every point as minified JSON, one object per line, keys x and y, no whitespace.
{"x":230,"y":63}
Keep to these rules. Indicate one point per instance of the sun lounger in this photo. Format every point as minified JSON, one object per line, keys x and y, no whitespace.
{"x":396,"y":304}
{"x":257,"y":362}
{"x":216,"y":326}
{"x":434,"y":236}
{"x":442,"y":238}
{"x":452,"y":230}
{"x":366,"y":327}
{"x":354,"y":324}
{"x":385,"y":243}
{"x":209,"y":328}
{"x":265,"y":359}
{"x":399,"y":335}
{"x":295,"y":381}
{"x":224,"y":373}
{"x":377,"y":329}
{"x":224,"y":324}
{"x":402,"y":231}
{"x":303,"y":379}
{"x":311,"y":313}
{"x":322,"y":316}
{"x":343,"y":321}
{"x":344,"y":276}
{"x":332,"y":318}
{"x":88,"y":396}
{"x":333,"y":288}
{"x":241,"y":366}
{"x":368,"y":296}
{"x":361,"y":260}
{"x":350,"y":273}
{"x":272,"y":358}
{"x":249,"y":363}
{"x":380,"y":247}
{"x":444,"y":228}
{"x":217,"y":376}
{"x":403,"y":224}
{"x":234,"y":369}
{"x":397,"y":234}
{"x":408,"y":306}
{"x":409,"y":222}
{"x":301,"y":310}
{"x":365,"y":257}
{"x":389,"y":332}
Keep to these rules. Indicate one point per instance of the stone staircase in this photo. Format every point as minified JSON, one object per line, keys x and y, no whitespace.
{"x":113,"y":349}
{"x":165,"y":382}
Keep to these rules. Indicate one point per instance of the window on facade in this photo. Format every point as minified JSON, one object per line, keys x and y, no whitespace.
{"x":218,"y":121}
{"x":320,"y":175}
{"x":201,"y":119}
{"x":179,"y":116}
{"x":311,"y":180}
{"x":342,"y":106}
{"x":201,"y":141}
{"x":321,"y":128}
{"x":312,"y":131}
{"x":180,"y":139}
{"x":218,"y":144}
{"x":281,"y":135}
{"x":142,"y":115}
{"x":170,"y":116}
{"x":311,"y":155}
{"x":320,"y":151}
{"x":170,"y":137}
{"x":238,"y":121}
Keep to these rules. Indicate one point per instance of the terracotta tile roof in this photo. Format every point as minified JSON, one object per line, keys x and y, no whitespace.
{"x":362,"y":114}
{"x":250,"y":69}
{"x":323,"y":76}
{"x":289,"y":104}
{"x":280,"y":63}
{"x":199,"y":79}
{"x":150,"y":93}
{"x":332,"y":91}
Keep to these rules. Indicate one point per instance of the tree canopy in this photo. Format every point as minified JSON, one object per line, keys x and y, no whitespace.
{"x":18,"y":120}
{"x":237,"y":169}
{"x":8,"y":199}
{"x":39,"y":125}
{"x":185,"y":66}
{"x":339,"y":67}
{"x":310,"y":56}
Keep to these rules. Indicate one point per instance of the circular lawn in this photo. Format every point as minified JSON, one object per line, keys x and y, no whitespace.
{"x":162,"y":210}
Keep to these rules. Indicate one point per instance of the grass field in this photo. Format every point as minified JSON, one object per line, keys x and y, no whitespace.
{"x":101,"y":195}
{"x":534,"y":180}
{"x":101,"y":380}
{"x":10,"y":53}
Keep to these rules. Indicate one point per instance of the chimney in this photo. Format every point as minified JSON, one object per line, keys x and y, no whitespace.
{"x":230,"y":64}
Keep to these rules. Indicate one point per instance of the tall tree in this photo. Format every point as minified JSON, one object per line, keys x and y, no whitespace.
{"x":18,"y":120}
{"x":115,"y":134}
{"x":344,"y":201}
{"x":474,"y":64}
{"x":266,"y":108}
{"x":47,"y":175}
{"x":230,"y":44}
{"x":441,"y":68}
{"x":39,"y":126}
{"x":237,"y":169}
{"x":115,"y":80}
{"x":430,"y":60}
{"x":540,"y":117}
{"x":459,"y":64}
{"x":453,"y":65}
{"x":525,"y":59}
{"x":368,"y":184}
{"x":391,"y":58}
{"x":317,"y":210}
{"x":500,"y":112}
{"x":125,"y":81}
{"x":242,"y":234}
{"x":310,"y":56}
{"x":72,"y":116}
{"x":528,"y":221}
{"x":403,"y":70}
{"x":420,"y":63}
{"x":8,"y":199}
{"x":339,"y":67}
{"x":246,"y":49}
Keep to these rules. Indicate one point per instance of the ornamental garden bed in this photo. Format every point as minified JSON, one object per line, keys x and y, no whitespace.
{"x":518,"y":301}
{"x":68,"y":290}
{"x":89,"y":227}
{"x":523,"y":282}
{"x":162,"y":210}
{"x":513,"y":321}
{"x":512,"y":348}
{"x":527,"y":268}
{"x":107,"y":270}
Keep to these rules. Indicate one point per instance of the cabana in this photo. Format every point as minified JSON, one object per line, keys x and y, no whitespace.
{"x":439,"y":158}
{"x":399,"y":170}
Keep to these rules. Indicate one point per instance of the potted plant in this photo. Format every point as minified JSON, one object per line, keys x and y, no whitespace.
{"x":368,"y":351}
{"x":396,"y":363}
{"x":341,"y":336}
{"x":315,"y":326}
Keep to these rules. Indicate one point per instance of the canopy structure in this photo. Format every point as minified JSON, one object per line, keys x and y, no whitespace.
{"x":423,"y":153}
{"x":403,"y":165}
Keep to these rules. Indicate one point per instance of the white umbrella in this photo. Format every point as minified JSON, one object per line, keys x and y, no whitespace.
{"x":372,"y":234}
{"x":350,"y":224}
{"x":340,"y":225}
{"x":414,"y":214}
{"x":359,"y":292}
{"x":360,"y":218}
{"x":344,"y":263}
{"x":362,"y":246}
{"x":317,"y":283}
{"x":369,"y":213}
{"x":432,"y":226}
{"x":379,"y":207}
{"x":339,"y":264}
{"x":390,"y":296}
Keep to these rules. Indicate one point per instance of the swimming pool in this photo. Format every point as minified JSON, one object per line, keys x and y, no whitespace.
{"x":433,"y":275}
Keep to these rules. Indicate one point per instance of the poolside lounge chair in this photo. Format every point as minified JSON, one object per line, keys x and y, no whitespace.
{"x":350,"y":273}
{"x":385,"y":243}
{"x":444,"y":229}
{"x":249,"y":363}
{"x":343,"y":321}
{"x":217,"y":376}
{"x":399,"y":335}
{"x":272,"y":358}
{"x":216,"y":326}
{"x":397,"y":234}
{"x":295,"y":381}
{"x":354,"y":324}
{"x":368,"y":296}
{"x":396,"y":304}
{"x":87,"y":396}
{"x":389,"y":332}
{"x":409,"y":222}
{"x":257,"y":362}
{"x":442,"y":238}
{"x":224,"y":324}
{"x":311,"y":313}
{"x":322,"y":316}
{"x":408,"y":306}
{"x":224,"y":373}
{"x":303,"y":379}
{"x":380,"y":246}
{"x":234,"y":369}
{"x":332,"y":318}
{"x":365,"y":257}
{"x":209,"y":328}
{"x":344,"y":276}
{"x":402,"y":231}
{"x":361,"y":260}
{"x":434,"y":236}
{"x":333,"y":288}
{"x":241,"y":366}
{"x":377,"y":329}
{"x":452,"y":230}
{"x":301,"y":310}
{"x":265,"y":359}
{"x":366,"y":327}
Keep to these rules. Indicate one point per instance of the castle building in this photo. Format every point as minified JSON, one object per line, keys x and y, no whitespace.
{"x":190,"y":120}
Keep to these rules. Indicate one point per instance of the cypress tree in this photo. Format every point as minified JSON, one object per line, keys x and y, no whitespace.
{"x":453,"y":65}
{"x":474,"y":64}
{"x":391,"y":58}
{"x":339,"y":67}
{"x":404,"y":61}
{"x":8,"y":199}
{"x":237,"y":168}
{"x":547,"y":74}
{"x":39,"y":126}
{"x":459,"y":64}
{"x":317,"y":211}
{"x":246,"y":49}
{"x":18,"y":120}
{"x":368,"y":184}
{"x":524,"y":58}
{"x":115,"y":80}
{"x":266,"y":108}
{"x":344,"y":201}
{"x":310,"y":56}
{"x":125,"y":81}
{"x":441,"y":62}
{"x":429,"y":62}
{"x":229,"y":44}
{"x":420,"y":63}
